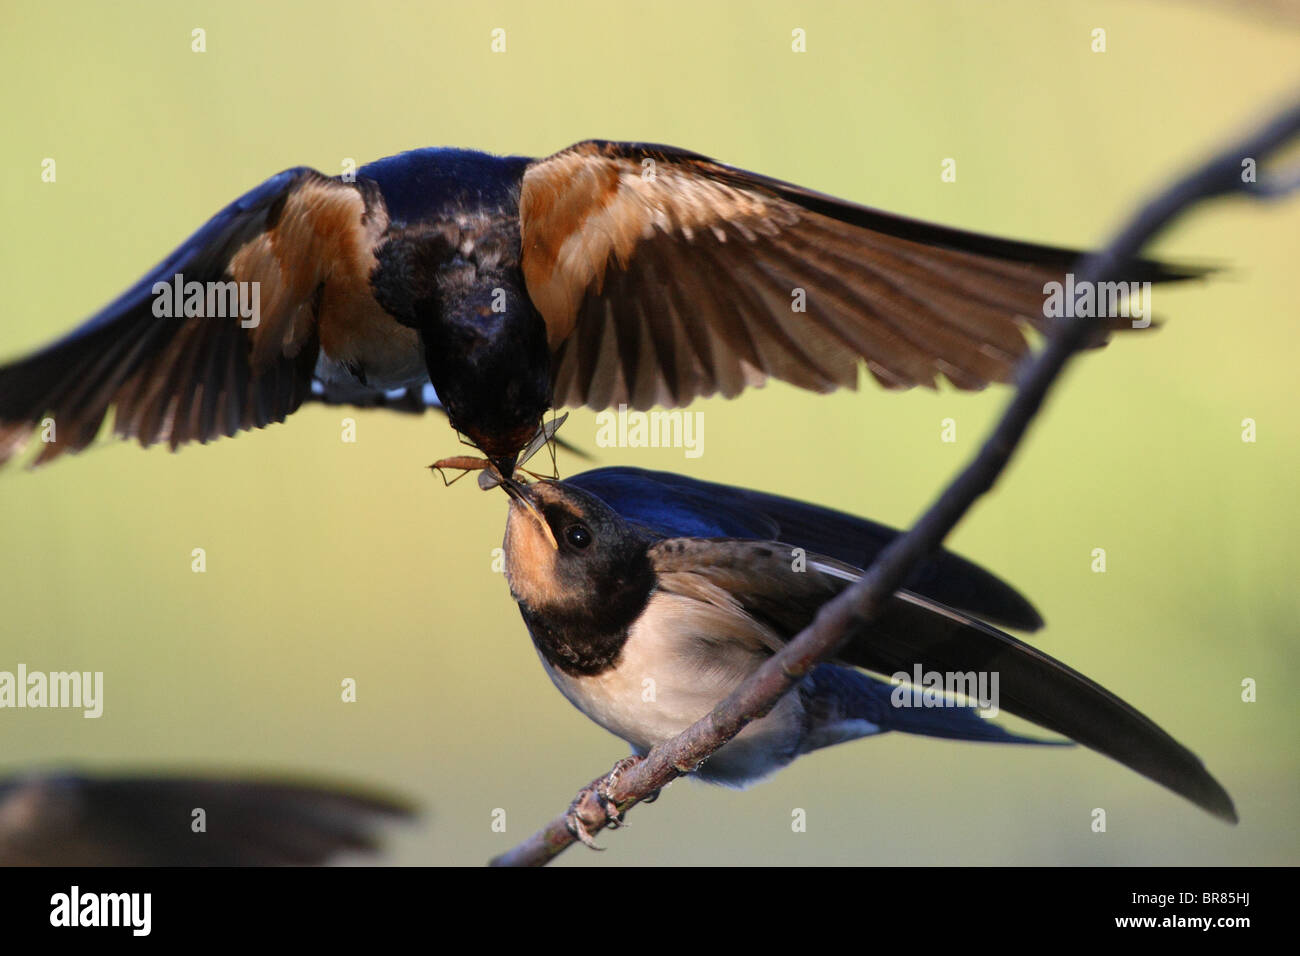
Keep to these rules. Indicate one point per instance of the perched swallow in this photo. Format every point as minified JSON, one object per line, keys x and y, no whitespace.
{"x":612,"y":604}
{"x":606,"y":274}
{"x":72,"y":820}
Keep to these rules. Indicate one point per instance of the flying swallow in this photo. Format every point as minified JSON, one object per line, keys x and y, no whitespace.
{"x":611,"y":604}
{"x":606,"y":274}
{"x":52,"y":819}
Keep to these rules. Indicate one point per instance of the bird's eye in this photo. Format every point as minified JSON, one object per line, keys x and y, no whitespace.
{"x":577,"y":535}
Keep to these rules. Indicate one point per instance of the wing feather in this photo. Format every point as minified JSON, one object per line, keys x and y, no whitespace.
{"x":72,"y":820}
{"x":301,"y":239}
{"x":642,"y":236}
{"x":763,"y":579}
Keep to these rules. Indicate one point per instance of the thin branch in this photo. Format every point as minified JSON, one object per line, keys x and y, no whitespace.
{"x":855,"y":607}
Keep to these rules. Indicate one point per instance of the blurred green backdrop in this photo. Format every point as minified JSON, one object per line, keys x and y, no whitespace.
{"x":329,"y":560}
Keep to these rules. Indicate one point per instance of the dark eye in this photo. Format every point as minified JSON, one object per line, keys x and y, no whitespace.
{"x":577,"y":535}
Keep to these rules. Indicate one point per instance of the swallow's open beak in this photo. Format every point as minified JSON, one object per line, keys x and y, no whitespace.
{"x":516,"y":490}
{"x":519,"y":492}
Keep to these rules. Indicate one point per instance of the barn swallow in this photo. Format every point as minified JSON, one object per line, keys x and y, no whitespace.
{"x":65,"y":819}
{"x":606,"y":274}
{"x":614,"y":607}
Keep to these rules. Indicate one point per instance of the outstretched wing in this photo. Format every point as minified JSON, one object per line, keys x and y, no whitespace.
{"x":67,"y":820}
{"x":663,"y":275}
{"x":676,"y":506}
{"x":914,"y":630}
{"x":301,"y":240}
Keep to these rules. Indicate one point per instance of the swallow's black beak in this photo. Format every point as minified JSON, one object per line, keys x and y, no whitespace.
{"x":505,"y":464}
{"x":516,"y":490}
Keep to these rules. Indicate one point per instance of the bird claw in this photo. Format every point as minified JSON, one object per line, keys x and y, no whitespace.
{"x":573,"y":819}
{"x":580,"y":807}
{"x":598,"y":792}
{"x":615,"y":819}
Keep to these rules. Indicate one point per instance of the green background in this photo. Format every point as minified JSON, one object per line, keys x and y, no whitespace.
{"x":329,"y":560}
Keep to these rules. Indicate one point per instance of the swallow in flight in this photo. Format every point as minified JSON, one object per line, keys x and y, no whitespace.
{"x":65,"y":819}
{"x":606,"y":274}
{"x":611,"y":603}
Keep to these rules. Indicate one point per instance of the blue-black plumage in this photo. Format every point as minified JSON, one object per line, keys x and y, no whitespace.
{"x":678,"y":506}
{"x":645,"y":630}
{"x":606,"y":274}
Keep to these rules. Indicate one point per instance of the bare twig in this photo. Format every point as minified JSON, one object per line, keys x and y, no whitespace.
{"x":855,"y":607}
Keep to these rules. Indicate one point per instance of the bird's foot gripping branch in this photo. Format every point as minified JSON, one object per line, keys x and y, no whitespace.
{"x":595,"y":806}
